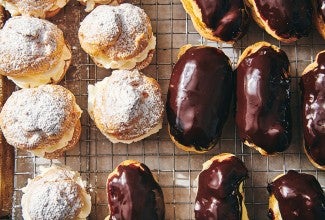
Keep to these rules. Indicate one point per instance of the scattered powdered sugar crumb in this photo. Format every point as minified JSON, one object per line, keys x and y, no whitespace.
{"x":132,"y":21}
{"x":30,"y":116}
{"x":28,"y":6}
{"x":27,"y":41}
{"x":127,"y":101}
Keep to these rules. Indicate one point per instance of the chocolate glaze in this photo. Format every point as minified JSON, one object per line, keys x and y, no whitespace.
{"x":288,"y":18}
{"x":218,"y":195}
{"x":134,"y":194}
{"x":227,"y":19}
{"x":321,"y":8}
{"x":313,"y":109}
{"x":199,"y":95}
{"x":299,"y":195}
{"x":263,"y":100}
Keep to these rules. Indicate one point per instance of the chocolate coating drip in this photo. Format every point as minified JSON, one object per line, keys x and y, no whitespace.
{"x":134,"y":194}
{"x":299,"y":195}
{"x":288,"y":18}
{"x":263,"y":100}
{"x":227,"y":19}
{"x":199,"y":95}
{"x":218,"y":194}
{"x":313,"y":94}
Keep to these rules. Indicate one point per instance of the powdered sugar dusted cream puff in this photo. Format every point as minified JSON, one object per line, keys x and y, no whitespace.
{"x":118,"y":37}
{"x":33,"y":52}
{"x":91,"y":4}
{"x":127,"y":106}
{"x":43,"y":120}
{"x":56,"y":193}
{"x":34,"y":8}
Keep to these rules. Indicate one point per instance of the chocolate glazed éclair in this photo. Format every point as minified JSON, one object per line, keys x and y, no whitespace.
{"x":313,"y":110}
{"x":263,"y":113}
{"x":199,"y":96}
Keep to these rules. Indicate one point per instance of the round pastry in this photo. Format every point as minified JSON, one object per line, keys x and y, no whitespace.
{"x":319,"y":16}
{"x":34,"y":8}
{"x":285,"y":20}
{"x":313,"y":109}
{"x":296,"y":196}
{"x":33,"y":52}
{"x":118,"y":37}
{"x":199,"y":97}
{"x":133,"y":193}
{"x":263,"y":98}
{"x":127,"y":106}
{"x":43,"y":120}
{"x":91,"y":4}
{"x":218,"y":20}
{"x":57,"y":193}
{"x":220,"y":189}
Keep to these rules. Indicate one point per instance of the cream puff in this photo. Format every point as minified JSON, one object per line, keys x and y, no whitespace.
{"x":34,"y":8}
{"x":319,"y":16}
{"x":220,"y":192}
{"x":43,"y":120}
{"x":287,"y":21}
{"x":296,"y":196}
{"x":199,"y":96}
{"x":91,"y":4}
{"x":263,"y":115}
{"x":33,"y":52}
{"x":133,"y":193}
{"x":56,"y":193}
{"x":118,"y":37}
{"x":126,"y":106}
{"x":218,"y":20}
{"x":313,"y":110}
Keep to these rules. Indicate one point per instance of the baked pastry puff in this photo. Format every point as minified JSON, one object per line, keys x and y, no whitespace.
{"x":287,"y":21}
{"x":263,"y":116}
{"x":91,"y":4}
{"x":297,"y":196}
{"x":220,"y":192}
{"x":218,"y":20}
{"x":33,"y":52}
{"x":56,"y":193}
{"x":126,"y":106}
{"x":313,"y":110}
{"x":43,"y":120}
{"x":34,"y":8}
{"x":133,"y":193}
{"x":118,"y":37}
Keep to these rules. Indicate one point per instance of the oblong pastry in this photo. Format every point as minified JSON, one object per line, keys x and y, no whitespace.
{"x":56,"y":193}
{"x":126,"y":106}
{"x":133,"y":193}
{"x":284,"y":20}
{"x":33,"y":52}
{"x":43,"y":120}
{"x":313,"y":110}
{"x":91,"y":4}
{"x":220,"y":189}
{"x":34,"y":8}
{"x":118,"y":37}
{"x":263,"y":115}
{"x":319,"y":16}
{"x":297,"y":196}
{"x":198,"y":98}
{"x":218,"y":20}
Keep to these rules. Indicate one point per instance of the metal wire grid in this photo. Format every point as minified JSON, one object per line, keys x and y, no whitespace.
{"x":95,"y":157}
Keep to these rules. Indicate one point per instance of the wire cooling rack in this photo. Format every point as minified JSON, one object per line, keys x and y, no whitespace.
{"x":95,"y":157}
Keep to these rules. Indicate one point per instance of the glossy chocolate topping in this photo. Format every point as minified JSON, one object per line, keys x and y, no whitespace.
{"x":313,"y":94}
{"x":263,"y":100}
{"x":288,"y":18}
{"x":218,"y":195}
{"x":199,"y":95}
{"x":321,"y":8}
{"x":299,"y":195}
{"x":227,"y":19}
{"x":134,"y":194}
